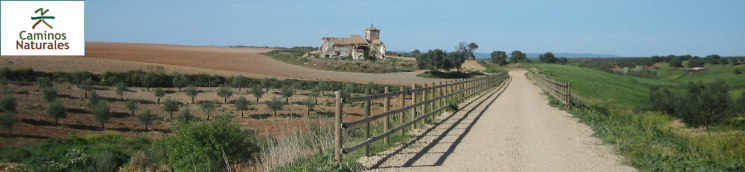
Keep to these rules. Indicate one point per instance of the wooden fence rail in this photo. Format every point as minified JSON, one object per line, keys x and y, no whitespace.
{"x":435,"y":99}
{"x":561,"y":90}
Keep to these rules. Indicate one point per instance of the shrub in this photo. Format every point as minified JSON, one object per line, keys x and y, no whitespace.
{"x":8,"y":120}
{"x":215,"y":145}
{"x":737,"y":72}
{"x":703,"y":106}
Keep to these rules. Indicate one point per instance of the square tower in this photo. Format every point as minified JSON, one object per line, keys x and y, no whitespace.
{"x":372,"y":33}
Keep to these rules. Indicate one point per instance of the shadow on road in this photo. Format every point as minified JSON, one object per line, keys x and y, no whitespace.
{"x":446,"y":133}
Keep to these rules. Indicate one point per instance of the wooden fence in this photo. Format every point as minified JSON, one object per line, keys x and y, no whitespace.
{"x":561,"y":90}
{"x":434,"y":100}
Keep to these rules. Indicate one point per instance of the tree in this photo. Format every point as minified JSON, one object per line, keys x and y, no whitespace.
{"x":208,"y":107}
{"x":209,"y":146}
{"x":224,"y":92}
{"x":499,"y":58}
{"x":8,"y":120}
{"x":322,"y":87}
{"x":101,"y":113}
{"x":132,"y":106}
{"x":675,"y":62}
{"x":242,"y":104}
{"x":695,"y":62}
{"x":309,"y":102}
{"x":563,"y":60}
{"x":148,"y":79}
{"x":170,"y":105}
{"x":702,"y":106}
{"x":180,"y":80}
{"x":121,"y":87}
{"x":416,"y":52}
{"x":159,"y":93}
{"x":467,"y":49}
{"x":49,"y":94}
{"x":266,"y":82}
{"x":433,"y":60}
{"x":8,"y":103}
{"x":257,"y":92}
{"x":517,"y":56}
{"x":723,"y":61}
{"x":287,"y":92}
{"x":43,"y":82}
{"x":56,"y":110}
{"x":87,"y":86}
{"x":239,"y":81}
{"x":93,"y":100}
{"x":146,"y":118}
{"x":548,"y":57}
{"x":713,"y":59}
{"x":191,"y":92}
{"x":275,"y":104}
{"x":733,"y":61}
{"x":79,"y":76}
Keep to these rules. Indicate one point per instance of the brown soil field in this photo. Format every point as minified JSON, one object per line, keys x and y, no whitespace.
{"x":34,"y":125}
{"x":111,"y":56}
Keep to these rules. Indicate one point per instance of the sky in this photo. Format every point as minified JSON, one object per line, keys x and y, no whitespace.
{"x":629,"y":28}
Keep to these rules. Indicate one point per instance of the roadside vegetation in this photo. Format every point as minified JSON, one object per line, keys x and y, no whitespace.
{"x":674,"y":121}
{"x":347,"y":64}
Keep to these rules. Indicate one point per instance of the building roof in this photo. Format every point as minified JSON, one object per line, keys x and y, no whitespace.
{"x":353,"y":39}
{"x":372,"y":28}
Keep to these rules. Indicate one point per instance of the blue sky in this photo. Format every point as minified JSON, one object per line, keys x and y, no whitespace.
{"x":619,"y":27}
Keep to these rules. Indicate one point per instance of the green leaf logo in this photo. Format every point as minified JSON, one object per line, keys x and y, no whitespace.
{"x":41,"y":18}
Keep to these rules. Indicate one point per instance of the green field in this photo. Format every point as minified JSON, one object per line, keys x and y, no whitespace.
{"x":650,"y":140}
{"x":633,"y":92}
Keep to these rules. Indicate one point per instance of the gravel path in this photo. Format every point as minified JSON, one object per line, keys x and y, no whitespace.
{"x":508,"y":129}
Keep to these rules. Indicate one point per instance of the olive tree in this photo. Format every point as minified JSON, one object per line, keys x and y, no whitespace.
{"x":8,"y":103}
{"x":101,"y":113}
{"x":310,"y":103}
{"x":239,"y":81}
{"x":132,"y":106}
{"x":170,"y":106}
{"x":159,"y":92}
{"x":56,"y":110}
{"x":49,"y":94}
{"x":146,"y":118}
{"x":8,"y":120}
{"x":191,"y":92}
{"x":208,"y":107}
{"x":87,"y":86}
{"x":180,"y":80}
{"x":43,"y":82}
{"x":287,"y":92}
{"x":256,"y":91}
{"x":224,"y":92}
{"x":242,"y":104}
{"x":121,"y":87}
{"x":275,"y":104}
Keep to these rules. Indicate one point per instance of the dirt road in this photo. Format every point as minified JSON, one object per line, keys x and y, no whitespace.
{"x":511,"y":129}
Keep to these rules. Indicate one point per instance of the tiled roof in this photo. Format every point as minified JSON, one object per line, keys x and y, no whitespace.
{"x":353,"y":39}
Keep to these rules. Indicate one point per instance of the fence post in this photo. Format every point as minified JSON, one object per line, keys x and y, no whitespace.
{"x":403,"y":115}
{"x":569,"y":94}
{"x":439,"y":101}
{"x":413,"y":101}
{"x":367,"y":125}
{"x":386,"y":108}
{"x":432,"y":103}
{"x":425,"y":105}
{"x":337,"y":127}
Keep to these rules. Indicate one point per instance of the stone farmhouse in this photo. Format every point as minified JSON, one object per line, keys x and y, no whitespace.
{"x":355,"y":46}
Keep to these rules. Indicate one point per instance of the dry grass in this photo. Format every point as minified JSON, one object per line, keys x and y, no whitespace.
{"x":295,"y":143}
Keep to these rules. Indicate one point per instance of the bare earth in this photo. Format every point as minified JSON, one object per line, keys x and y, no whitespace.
{"x":512,"y":129}
{"x":115,"y":56}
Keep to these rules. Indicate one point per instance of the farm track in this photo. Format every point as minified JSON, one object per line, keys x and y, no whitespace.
{"x":512,"y":129}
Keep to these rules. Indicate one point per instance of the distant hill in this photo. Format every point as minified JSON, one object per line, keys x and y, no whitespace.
{"x":535,"y":55}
